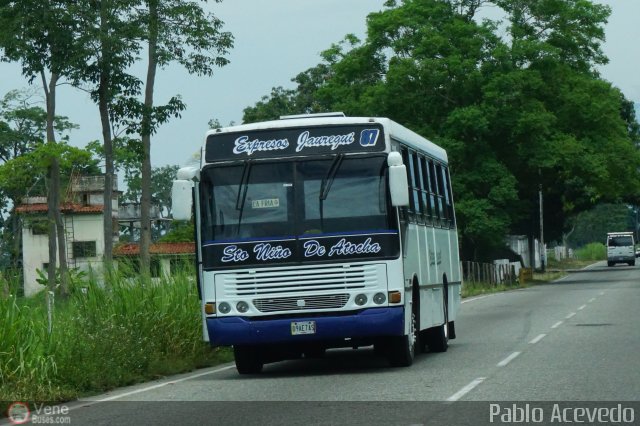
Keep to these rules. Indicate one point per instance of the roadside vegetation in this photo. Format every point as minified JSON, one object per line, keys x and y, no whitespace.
{"x":103,"y":337}
{"x":470,"y":289}
{"x":555,"y":269}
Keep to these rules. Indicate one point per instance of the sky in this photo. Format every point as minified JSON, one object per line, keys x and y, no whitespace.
{"x":274,"y":41}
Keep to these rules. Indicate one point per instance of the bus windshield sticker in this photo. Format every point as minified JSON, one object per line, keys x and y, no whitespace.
{"x":266,"y":203}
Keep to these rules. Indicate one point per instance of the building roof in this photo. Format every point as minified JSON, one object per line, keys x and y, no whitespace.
{"x":133,"y":249}
{"x":65,"y":208}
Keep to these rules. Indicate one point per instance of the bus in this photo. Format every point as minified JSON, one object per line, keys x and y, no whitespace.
{"x":620,"y":248}
{"x":322,"y":231}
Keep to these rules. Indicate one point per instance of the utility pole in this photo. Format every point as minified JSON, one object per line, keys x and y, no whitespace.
{"x":543,"y":252}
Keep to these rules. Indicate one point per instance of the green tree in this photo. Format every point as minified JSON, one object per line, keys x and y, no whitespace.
{"x":516,"y":115}
{"x":25,"y":175}
{"x":107,"y":35}
{"x":23,"y":124}
{"x":161,"y":183}
{"x":593,"y":225}
{"x":22,"y":130}
{"x":175,"y":31}
{"x":42,"y":36}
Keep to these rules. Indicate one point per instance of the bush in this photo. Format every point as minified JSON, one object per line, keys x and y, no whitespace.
{"x":104,"y":337}
{"x":592,"y":251}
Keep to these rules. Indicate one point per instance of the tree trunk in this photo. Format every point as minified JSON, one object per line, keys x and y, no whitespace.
{"x":56,"y":227}
{"x":147,"y":125}
{"x":103,"y":105}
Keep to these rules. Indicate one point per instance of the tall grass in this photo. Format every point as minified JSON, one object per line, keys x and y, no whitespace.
{"x":592,"y":251}
{"x":103,"y":336}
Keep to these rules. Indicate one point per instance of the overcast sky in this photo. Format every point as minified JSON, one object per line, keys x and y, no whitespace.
{"x":274,"y":41}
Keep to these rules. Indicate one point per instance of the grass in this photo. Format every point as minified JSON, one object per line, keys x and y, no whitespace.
{"x":555,"y":270}
{"x":102,"y":338}
{"x":470,"y":289}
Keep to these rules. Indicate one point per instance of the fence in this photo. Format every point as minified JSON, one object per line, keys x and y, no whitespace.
{"x":476,"y":272}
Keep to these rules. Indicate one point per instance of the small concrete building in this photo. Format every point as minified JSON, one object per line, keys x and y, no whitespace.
{"x":83,"y":218}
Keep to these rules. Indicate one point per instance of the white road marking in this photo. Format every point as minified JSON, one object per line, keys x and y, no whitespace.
{"x":465,"y":390}
{"x":592,"y":299}
{"x":602,"y":293}
{"x":474,"y":299}
{"x":570,"y":315}
{"x":558,"y":324}
{"x":508,"y":359}
{"x":582,"y":307}
{"x":159,"y":385}
{"x":537,"y":339}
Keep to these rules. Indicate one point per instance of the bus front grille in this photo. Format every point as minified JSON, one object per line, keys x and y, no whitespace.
{"x":301,"y":281}
{"x":329,"y":301}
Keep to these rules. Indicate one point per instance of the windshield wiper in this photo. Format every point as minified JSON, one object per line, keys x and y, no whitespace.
{"x":242,"y":191}
{"x":325,"y":186}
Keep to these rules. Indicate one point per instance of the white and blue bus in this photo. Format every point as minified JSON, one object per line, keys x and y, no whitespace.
{"x":323,"y":231}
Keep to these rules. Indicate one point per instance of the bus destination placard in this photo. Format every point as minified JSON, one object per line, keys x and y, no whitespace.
{"x":294,"y":141}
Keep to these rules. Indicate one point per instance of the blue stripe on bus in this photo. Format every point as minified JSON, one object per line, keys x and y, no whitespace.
{"x":371,"y":322}
{"x":354,"y":233}
{"x":249,"y":240}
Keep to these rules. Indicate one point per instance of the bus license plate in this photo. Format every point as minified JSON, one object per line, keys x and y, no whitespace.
{"x":303,"y":327}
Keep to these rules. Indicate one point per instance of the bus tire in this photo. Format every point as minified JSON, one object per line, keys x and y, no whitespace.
{"x":402,"y":349}
{"x":248,"y":359}
{"x":439,"y":336}
{"x":610,"y":264}
{"x":632,"y":263}
{"x":452,"y":330}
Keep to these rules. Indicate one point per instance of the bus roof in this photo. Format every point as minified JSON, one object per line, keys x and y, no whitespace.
{"x":392,"y":129}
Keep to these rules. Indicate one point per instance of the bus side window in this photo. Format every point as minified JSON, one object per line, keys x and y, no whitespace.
{"x":414,"y":184}
{"x":449,"y":198}
{"x":437,"y":197}
{"x":429,"y":188}
{"x":424,"y":190}
{"x":407,"y":212}
{"x":441,"y":196}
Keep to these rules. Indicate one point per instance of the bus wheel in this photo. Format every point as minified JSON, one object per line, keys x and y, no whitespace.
{"x":610,"y":263}
{"x":439,"y":336}
{"x":248,"y":359}
{"x":402,"y":349}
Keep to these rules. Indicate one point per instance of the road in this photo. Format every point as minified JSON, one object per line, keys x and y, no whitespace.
{"x":574,"y":340}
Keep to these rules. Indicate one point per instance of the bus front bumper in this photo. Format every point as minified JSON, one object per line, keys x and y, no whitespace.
{"x":366,"y":323}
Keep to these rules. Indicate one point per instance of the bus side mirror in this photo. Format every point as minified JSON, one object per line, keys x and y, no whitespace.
{"x":398,"y":184}
{"x":181,"y":194}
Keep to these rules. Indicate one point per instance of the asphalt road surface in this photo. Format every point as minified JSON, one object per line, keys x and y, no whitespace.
{"x":571,"y":344}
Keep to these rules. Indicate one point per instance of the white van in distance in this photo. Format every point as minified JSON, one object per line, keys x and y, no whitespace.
{"x":620,"y":248}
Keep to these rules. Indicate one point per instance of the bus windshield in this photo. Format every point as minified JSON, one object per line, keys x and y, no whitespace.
{"x":287,"y":199}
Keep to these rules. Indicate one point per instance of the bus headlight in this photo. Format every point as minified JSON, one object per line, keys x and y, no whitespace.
{"x":224,"y":308}
{"x":242,"y":307}
{"x":379,"y":298}
{"x":361,"y":299}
